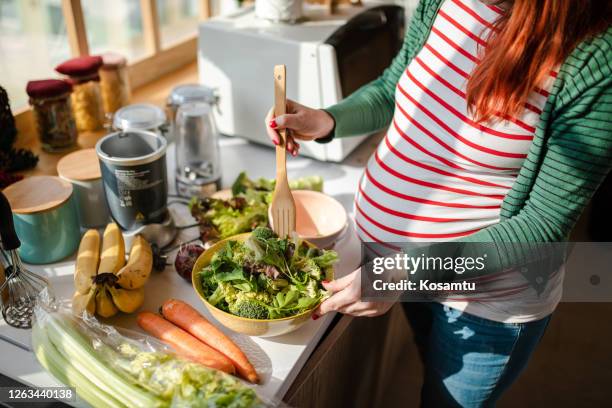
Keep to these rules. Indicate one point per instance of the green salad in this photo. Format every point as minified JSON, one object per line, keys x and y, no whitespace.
{"x":246,"y":210}
{"x":266,"y":277}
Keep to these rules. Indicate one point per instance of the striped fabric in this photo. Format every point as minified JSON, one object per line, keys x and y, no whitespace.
{"x":437,"y":175}
{"x":570,"y":154}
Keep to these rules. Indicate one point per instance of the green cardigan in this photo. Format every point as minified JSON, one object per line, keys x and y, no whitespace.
{"x":571,"y":152}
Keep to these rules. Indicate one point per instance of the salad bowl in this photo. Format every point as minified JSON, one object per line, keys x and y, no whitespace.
{"x":251,"y":327}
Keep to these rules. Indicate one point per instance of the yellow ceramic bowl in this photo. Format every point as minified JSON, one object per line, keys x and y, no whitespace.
{"x":251,"y":327}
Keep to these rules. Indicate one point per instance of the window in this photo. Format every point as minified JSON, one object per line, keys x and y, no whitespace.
{"x":178,"y":20}
{"x":156,"y":36}
{"x":33,"y":41}
{"x":114,"y":25}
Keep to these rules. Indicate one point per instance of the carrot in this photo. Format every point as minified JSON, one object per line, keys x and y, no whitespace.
{"x":187,"y":318}
{"x":184,"y":343}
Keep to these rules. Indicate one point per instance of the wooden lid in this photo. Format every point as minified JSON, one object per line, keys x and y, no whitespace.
{"x":37,"y":194}
{"x":82,"y":165}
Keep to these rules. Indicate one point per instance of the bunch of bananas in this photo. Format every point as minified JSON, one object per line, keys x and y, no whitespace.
{"x":104,"y":284}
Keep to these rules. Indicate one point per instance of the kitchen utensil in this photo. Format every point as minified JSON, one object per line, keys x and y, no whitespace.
{"x":45,"y":217}
{"x":251,"y":327}
{"x":22,"y":286}
{"x":133,"y":165}
{"x":319,"y":219}
{"x":198,"y":166}
{"x":82,"y":170}
{"x":282,"y":208}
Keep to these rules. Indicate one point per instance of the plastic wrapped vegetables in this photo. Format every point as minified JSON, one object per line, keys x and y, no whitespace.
{"x":112,"y":369}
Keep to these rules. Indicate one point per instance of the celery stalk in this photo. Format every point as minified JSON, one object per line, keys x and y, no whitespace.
{"x":60,"y":368}
{"x":85,"y":359}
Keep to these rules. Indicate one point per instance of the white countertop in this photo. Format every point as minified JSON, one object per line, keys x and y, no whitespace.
{"x":278,"y":359}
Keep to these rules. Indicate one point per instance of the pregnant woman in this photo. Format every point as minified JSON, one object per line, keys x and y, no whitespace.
{"x":499,"y":130}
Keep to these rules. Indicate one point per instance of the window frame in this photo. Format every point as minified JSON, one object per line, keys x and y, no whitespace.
{"x":157,"y":60}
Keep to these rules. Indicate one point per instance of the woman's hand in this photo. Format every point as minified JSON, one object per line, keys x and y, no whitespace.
{"x":346,"y":298}
{"x":301,"y":122}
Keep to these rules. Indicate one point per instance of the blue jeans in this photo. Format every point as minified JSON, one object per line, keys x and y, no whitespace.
{"x":469,"y":361}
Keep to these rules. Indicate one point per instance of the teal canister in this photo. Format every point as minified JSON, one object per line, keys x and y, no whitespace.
{"x":45,"y":218}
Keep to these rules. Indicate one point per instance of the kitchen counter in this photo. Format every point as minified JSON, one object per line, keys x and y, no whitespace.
{"x":280,"y":359}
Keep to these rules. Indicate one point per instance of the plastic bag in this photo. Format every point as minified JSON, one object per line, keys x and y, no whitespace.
{"x":119,"y":367}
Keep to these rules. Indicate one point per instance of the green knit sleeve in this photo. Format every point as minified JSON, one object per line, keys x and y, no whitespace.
{"x":371,"y":107}
{"x":577,"y":156}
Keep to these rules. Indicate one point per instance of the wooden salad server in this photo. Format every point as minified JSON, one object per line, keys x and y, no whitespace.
{"x":282,"y":208}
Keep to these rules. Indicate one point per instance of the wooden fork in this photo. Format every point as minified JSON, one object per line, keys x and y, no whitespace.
{"x":282,"y":208}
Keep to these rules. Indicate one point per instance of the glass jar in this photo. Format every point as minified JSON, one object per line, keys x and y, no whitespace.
{"x":186,"y":94}
{"x":114,"y":82}
{"x":141,"y":116}
{"x":50,"y":100}
{"x":87,"y":105}
{"x":86,"y":97}
{"x":198,"y":160}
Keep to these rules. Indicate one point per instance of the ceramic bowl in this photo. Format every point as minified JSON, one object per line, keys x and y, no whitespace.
{"x":320,"y":219}
{"x":250,"y":327}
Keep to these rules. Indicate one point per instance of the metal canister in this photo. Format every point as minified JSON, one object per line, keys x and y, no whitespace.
{"x":133,"y":165}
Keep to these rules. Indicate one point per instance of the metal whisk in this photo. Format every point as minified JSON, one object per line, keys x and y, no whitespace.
{"x":21,"y":287}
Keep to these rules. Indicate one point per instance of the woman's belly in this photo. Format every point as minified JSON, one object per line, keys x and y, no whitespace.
{"x":406,"y":194}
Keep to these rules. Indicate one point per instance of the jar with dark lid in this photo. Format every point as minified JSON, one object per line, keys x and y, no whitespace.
{"x":141,"y":116}
{"x":86,"y":97}
{"x":114,"y":82}
{"x":50,"y":100}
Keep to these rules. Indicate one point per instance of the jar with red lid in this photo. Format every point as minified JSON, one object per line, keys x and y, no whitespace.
{"x":114,"y":82}
{"x":86,"y":97}
{"x":50,"y":100}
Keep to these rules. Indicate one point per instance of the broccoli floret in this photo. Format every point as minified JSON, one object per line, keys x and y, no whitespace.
{"x":263,"y":233}
{"x":225,"y":291}
{"x":250,"y":309}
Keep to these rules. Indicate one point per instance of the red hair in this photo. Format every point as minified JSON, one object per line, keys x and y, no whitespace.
{"x":530,"y":39}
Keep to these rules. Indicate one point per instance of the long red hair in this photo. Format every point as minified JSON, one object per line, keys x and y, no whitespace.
{"x":531,"y":38}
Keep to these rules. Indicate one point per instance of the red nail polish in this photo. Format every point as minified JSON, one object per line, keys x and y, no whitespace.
{"x":315,"y":317}
{"x":325,"y":282}
{"x":273,"y":124}
{"x":276,"y":142}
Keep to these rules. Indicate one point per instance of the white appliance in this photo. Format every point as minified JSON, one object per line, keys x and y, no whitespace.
{"x":327,"y":57}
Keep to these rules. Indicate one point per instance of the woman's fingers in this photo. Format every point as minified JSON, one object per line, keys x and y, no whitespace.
{"x":339,"y":284}
{"x":292,"y":146}
{"x":337,"y":301}
{"x":288,"y":121}
{"x":345,"y":293}
{"x":272,"y":134}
